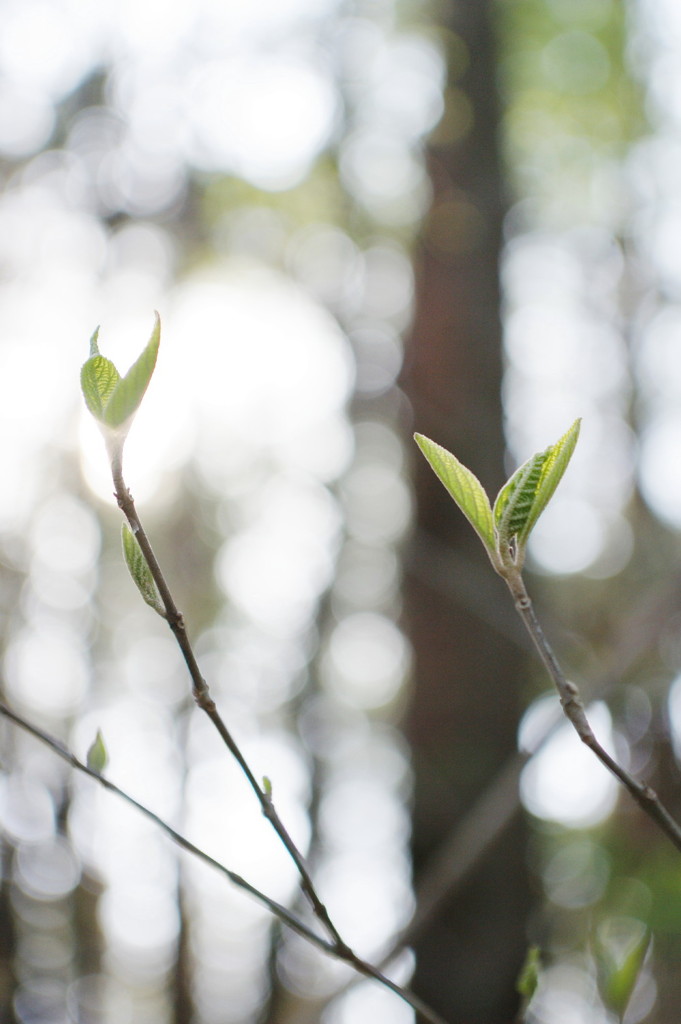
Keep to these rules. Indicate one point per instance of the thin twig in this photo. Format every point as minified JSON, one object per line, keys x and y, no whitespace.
{"x":572,"y":705}
{"x":66,"y":755}
{"x":279,"y":911}
{"x":473,"y":835}
{"x":203,"y":699}
{"x":482,"y":825}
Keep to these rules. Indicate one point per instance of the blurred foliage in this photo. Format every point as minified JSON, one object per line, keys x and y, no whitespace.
{"x":572,"y":101}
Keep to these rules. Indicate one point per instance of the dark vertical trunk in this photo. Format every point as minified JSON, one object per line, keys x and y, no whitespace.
{"x":463,"y":718}
{"x":7,"y":938}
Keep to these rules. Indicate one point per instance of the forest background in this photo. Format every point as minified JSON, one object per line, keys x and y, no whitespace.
{"x":356,"y":220}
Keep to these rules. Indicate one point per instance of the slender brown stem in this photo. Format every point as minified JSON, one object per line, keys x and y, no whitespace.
{"x":203,"y":699}
{"x":279,"y":911}
{"x":66,"y":755}
{"x":485,"y":822}
{"x":572,"y":705}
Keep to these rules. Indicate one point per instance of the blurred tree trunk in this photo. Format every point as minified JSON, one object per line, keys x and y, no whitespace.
{"x":463,"y":717}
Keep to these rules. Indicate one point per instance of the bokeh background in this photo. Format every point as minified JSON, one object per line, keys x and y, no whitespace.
{"x":357,"y":218}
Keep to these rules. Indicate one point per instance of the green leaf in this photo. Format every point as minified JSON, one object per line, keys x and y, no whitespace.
{"x":129,"y":392}
{"x":620,"y":949}
{"x":112,"y":399}
{"x":97,"y":756}
{"x":526,"y":494}
{"x":98,"y":380}
{"x":267,"y":786}
{"x":516,"y":498}
{"x":140,"y":571}
{"x":528,"y":979}
{"x":557,"y":457}
{"x":464,"y":487}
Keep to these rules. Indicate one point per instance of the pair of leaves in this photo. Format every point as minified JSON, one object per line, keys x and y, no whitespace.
{"x":113,"y":400}
{"x":504,"y":529}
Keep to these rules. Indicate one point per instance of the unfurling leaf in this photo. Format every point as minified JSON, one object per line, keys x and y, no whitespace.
{"x":464,"y":487}
{"x":97,"y":756}
{"x":113,"y":400}
{"x":140,"y":571}
{"x":515,"y":500}
{"x":556,"y":459}
{"x":267,"y":786}
{"x":526,"y":494}
{"x":127,"y":396}
{"x":98,"y":379}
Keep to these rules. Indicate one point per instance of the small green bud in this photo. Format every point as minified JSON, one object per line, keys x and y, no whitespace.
{"x":97,"y":756}
{"x":140,"y":571}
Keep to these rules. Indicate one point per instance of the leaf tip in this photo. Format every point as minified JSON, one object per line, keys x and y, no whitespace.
{"x":155,"y":338}
{"x":94,"y":342}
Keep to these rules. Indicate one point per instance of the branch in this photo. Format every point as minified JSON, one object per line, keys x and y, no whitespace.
{"x":572,"y":705}
{"x":504,"y":531}
{"x":66,"y":755}
{"x":203,"y":699}
{"x":279,"y":911}
{"x":201,"y":694}
{"x":483,"y":824}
